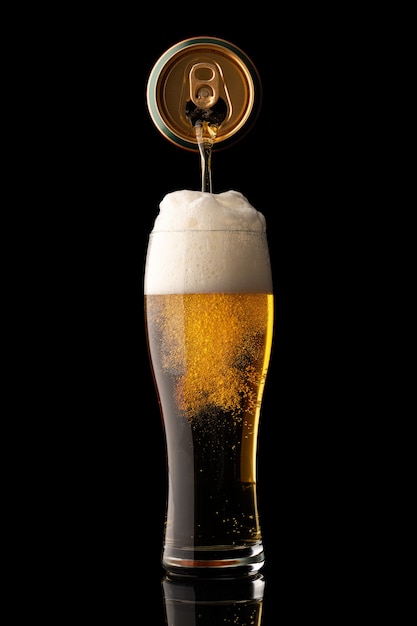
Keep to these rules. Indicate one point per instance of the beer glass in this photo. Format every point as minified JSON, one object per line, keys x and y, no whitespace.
{"x":209,"y":327}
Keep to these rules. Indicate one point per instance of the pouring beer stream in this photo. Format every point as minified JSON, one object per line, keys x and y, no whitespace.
{"x":206,"y":111}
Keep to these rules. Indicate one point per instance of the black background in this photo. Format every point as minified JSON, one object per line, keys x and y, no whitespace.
{"x":295,"y":166}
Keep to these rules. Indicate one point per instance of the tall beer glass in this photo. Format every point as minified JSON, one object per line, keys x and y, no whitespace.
{"x":209,"y":324}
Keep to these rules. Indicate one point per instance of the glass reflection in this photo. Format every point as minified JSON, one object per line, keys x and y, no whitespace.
{"x":204,"y":602}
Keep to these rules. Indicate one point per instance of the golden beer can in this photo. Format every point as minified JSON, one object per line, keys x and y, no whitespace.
{"x":206,"y":74}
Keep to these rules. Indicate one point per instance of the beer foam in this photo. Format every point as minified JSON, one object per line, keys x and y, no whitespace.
{"x":203,"y":243}
{"x":200,"y":210}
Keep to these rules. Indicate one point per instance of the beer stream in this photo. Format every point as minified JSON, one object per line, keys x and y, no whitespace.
{"x":206,"y":123}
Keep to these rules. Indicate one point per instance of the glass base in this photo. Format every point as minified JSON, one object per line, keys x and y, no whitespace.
{"x":214,"y":561}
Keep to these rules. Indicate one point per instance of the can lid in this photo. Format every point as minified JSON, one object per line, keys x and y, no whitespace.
{"x":221,"y":71}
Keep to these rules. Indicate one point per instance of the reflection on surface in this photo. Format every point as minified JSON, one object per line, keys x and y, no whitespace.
{"x":206,"y":602}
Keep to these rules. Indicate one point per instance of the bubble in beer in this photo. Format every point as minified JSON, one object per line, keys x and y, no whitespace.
{"x":213,"y":346}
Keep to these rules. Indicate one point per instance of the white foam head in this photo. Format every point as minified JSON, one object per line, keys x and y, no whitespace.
{"x":207,"y":243}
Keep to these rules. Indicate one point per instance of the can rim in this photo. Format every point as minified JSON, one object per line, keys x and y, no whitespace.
{"x":155,"y":73}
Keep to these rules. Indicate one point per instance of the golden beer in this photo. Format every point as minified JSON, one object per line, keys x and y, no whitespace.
{"x":209,"y":353}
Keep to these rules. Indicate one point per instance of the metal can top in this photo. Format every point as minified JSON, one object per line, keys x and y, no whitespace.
{"x":203,"y":70}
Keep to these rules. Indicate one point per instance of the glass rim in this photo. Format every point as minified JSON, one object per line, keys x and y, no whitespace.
{"x":209,"y":230}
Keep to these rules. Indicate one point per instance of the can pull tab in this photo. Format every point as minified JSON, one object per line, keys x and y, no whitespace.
{"x":204,"y":85}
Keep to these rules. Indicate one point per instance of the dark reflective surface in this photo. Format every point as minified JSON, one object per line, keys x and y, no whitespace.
{"x":209,"y":602}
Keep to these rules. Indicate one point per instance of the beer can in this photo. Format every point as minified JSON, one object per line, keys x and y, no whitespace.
{"x":206,"y":72}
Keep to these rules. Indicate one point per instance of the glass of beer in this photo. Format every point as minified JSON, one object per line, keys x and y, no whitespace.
{"x":209,"y":327}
